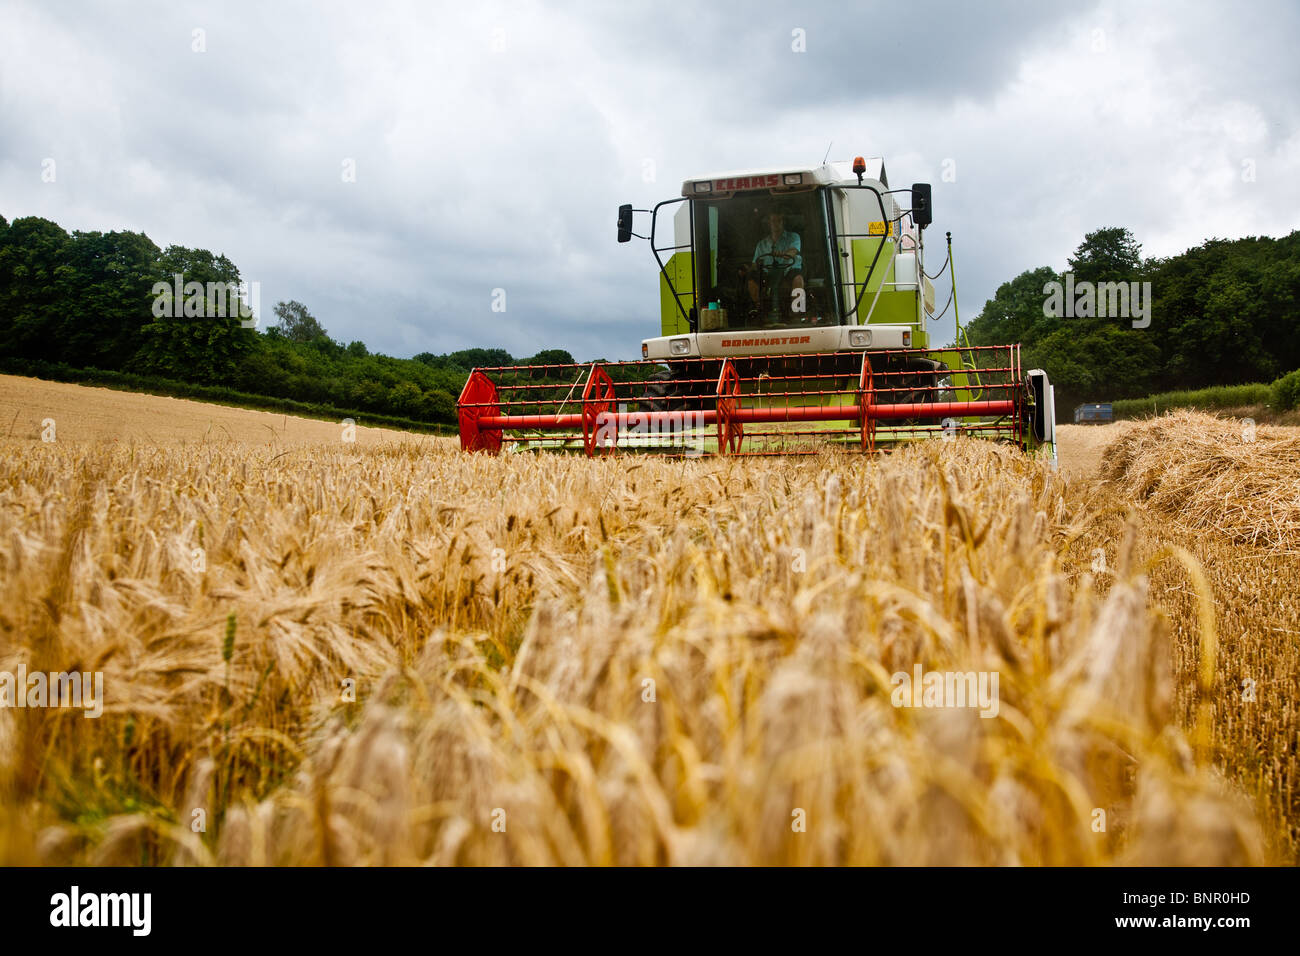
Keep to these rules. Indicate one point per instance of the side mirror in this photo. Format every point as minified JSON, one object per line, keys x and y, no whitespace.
{"x":625,"y":222}
{"x":922,"y":212}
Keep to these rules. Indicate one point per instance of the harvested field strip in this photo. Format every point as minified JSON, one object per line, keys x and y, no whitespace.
{"x":1212,"y":474}
{"x":1234,"y":506}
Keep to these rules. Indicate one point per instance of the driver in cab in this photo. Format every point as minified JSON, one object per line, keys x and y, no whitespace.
{"x":777,"y":256}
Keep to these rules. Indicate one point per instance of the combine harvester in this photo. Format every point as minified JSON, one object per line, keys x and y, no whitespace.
{"x":794,"y":308}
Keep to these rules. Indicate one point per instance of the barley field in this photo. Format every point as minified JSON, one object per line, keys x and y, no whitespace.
{"x":319,"y":652}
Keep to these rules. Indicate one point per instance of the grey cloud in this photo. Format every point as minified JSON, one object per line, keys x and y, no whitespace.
{"x":480,"y":168}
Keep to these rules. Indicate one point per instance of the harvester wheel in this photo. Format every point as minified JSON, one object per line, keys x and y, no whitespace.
{"x":660,"y":392}
{"x":922,"y":382}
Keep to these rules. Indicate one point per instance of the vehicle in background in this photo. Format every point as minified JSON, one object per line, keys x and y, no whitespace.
{"x":1097,"y":413}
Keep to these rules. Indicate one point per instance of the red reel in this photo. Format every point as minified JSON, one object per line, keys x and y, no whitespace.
{"x":478,"y":399}
{"x":866,"y":406}
{"x":730,"y":432}
{"x":599,"y":434}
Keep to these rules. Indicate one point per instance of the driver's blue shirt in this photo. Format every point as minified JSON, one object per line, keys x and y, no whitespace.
{"x":767,"y":246}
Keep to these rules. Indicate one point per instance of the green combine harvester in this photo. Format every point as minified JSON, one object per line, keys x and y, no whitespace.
{"x":794,"y":308}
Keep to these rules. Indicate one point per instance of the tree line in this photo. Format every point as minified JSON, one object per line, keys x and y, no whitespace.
{"x":104,"y":301}
{"x":1224,"y":313}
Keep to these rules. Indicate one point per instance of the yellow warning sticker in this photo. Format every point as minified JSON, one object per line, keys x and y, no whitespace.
{"x":881,"y":229}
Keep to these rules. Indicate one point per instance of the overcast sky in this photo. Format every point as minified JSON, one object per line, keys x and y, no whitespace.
{"x":492,"y":144}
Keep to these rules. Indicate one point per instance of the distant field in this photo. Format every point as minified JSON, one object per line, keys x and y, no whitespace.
{"x":81,"y":413}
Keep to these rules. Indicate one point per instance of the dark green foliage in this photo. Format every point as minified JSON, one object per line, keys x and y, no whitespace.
{"x":1214,"y":397}
{"x":297,"y":324}
{"x":1281,"y":396}
{"x":1107,"y":255}
{"x":206,"y":348}
{"x":90,"y":307}
{"x":1224,"y":313}
{"x":36,"y":280}
{"x":1286,"y":391}
{"x":549,"y":357}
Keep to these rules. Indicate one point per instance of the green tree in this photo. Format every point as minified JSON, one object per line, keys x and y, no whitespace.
{"x":35,"y":278}
{"x":549,"y":357}
{"x":1228,"y":312}
{"x":111,"y":281}
{"x":1095,"y":361}
{"x":189,"y":341}
{"x":405,"y":398}
{"x":368,"y":394}
{"x":441,"y":405}
{"x":481,"y":358}
{"x":1107,"y":255}
{"x":1015,"y":313}
{"x":1088,"y":359}
{"x":297,"y":324}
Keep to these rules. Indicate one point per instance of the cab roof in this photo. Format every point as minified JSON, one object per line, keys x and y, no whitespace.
{"x":778,"y":177}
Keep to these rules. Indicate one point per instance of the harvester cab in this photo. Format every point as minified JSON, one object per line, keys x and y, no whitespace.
{"x":794,"y":305}
{"x":841,"y":272}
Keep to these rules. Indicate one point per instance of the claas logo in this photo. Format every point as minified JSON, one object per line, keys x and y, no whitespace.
{"x":747,"y":182}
